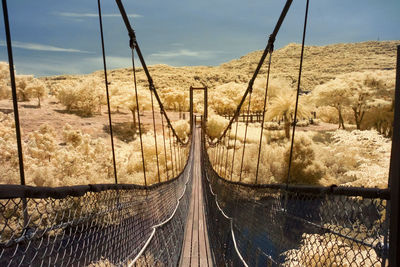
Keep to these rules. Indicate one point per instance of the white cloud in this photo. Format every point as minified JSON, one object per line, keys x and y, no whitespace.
{"x":183,"y":53}
{"x":49,"y":66}
{"x":42,"y":47}
{"x":93,"y":15}
{"x":113,"y":62}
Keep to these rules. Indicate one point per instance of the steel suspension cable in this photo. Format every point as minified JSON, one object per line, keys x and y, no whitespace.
{"x":179,"y":156}
{"x":298,"y":92}
{"x":14,"y":93}
{"x":138,"y":113}
{"x":176,"y":159}
{"x":245,"y":136}
{"x":221,"y":153}
{"x":165,"y":147}
{"x":222,"y":156}
{"x":15,"y":108}
{"x":133,"y":43}
{"x":217,"y":155}
{"x":155,"y":135}
{"x":270,"y":44}
{"x":234,"y":147}
{"x":227,"y":152}
{"x":107,"y":91}
{"x":263,"y":115}
{"x":170,"y":148}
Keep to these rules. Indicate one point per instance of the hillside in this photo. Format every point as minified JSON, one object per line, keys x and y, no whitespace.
{"x":321,"y":63}
{"x":71,"y":125}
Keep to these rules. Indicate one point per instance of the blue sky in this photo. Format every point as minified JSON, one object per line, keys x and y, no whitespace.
{"x":55,"y":37}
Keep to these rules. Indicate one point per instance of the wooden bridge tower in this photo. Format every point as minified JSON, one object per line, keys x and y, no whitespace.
{"x":205,"y":115}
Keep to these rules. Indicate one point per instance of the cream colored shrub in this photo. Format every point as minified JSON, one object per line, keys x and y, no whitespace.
{"x":84,"y":97}
{"x":216,"y":125}
{"x":37,"y":89}
{"x":252,"y":135}
{"x":125,"y":97}
{"x":305,"y":168}
{"x":8,"y":151}
{"x":130,"y":166}
{"x":182,"y":128}
{"x":225,"y":98}
{"x":282,"y":106}
{"x":42,"y":143}
{"x":357,"y":158}
{"x":5,"y":89}
{"x":303,"y":123}
{"x":271,"y":125}
{"x":330,"y":250}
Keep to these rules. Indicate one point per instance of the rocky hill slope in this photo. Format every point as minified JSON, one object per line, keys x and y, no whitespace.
{"x":321,"y":63}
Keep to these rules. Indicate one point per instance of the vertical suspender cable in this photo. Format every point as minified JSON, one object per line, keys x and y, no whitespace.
{"x":138,"y":113}
{"x":227,"y":153}
{"x":15,"y":106}
{"x":234,"y":147}
{"x":176,"y":159}
{"x":170,"y":149}
{"x":298,"y":91}
{"x":165,"y":147}
{"x":155,"y":134}
{"x":221,"y":157}
{"x":245,"y":135}
{"x":179,"y":156}
{"x":393,"y":206}
{"x":226,"y":156}
{"x":217,"y":155}
{"x":14,"y":93}
{"x":263,"y":116}
{"x":107,"y":91}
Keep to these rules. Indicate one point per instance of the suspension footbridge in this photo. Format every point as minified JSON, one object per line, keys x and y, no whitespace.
{"x":201,"y":214}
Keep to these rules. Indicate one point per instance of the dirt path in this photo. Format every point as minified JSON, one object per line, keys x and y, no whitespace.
{"x":54,"y":114}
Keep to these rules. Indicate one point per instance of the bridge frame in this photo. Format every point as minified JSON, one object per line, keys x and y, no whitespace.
{"x":205,"y":116}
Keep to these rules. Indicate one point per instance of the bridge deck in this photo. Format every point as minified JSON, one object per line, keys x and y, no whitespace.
{"x":196,"y":249}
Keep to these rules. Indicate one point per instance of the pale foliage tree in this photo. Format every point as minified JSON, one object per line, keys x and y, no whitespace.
{"x":216,"y":125}
{"x":36,"y":88}
{"x":84,"y":97}
{"x":225,"y":98}
{"x":365,"y":88}
{"x":5,"y":90}
{"x":125,"y":98}
{"x":275,"y":87}
{"x":182,"y":128}
{"x":335,"y":94}
{"x":27,"y":86}
{"x":22,"y":82}
{"x":358,"y":91}
{"x":283,"y":106}
{"x":177,"y":100}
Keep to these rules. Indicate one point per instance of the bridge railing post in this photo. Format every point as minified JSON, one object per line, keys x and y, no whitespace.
{"x":394,"y":176}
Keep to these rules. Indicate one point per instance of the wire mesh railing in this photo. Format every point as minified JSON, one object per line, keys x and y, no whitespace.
{"x":79,"y":225}
{"x":291,"y":225}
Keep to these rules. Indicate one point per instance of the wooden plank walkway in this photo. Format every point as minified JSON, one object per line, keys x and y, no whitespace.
{"x":196,"y":248}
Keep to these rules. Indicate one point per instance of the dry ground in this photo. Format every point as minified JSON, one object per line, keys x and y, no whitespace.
{"x":54,"y":114}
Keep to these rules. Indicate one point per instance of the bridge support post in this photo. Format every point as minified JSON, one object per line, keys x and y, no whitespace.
{"x":394,"y":177}
{"x":205,"y":115}
{"x":191,"y":109}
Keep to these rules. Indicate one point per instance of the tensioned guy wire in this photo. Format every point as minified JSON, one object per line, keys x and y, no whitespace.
{"x":245,"y":135}
{"x":107,"y":91}
{"x":155,"y":135}
{"x":263,"y":116}
{"x":298,"y":92}
{"x":138,"y":113}
{"x":165,"y":147}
